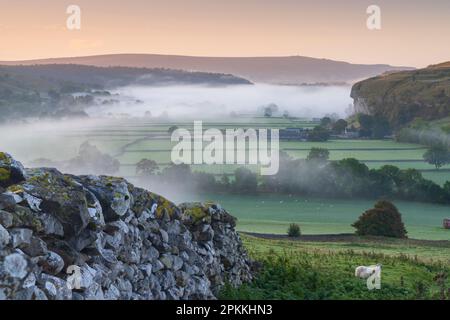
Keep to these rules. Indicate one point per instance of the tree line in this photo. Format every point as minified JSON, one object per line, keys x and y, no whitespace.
{"x":314,"y":176}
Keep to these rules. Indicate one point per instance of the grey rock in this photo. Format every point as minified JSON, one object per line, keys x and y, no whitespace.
{"x":29,"y":281}
{"x":15,"y":266}
{"x":167,"y":280}
{"x":164,"y":235}
{"x":51,"y":225}
{"x":20,"y":237}
{"x":37,"y":247}
{"x":52,"y":263}
{"x":125,"y":242}
{"x":167,"y":261}
{"x":7,"y":201}
{"x":61,"y":196}
{"x":4,"y":237}
{"x":33,"y":202}
{"x":55,"y":288}
{"x":94,"y":292}
{"x":6,"y":219}
{"x":157,"y":265}
{"x":12,"y":171}
{"x":38,"y":294}
{"x":112,"y":293}
{"x":177,"y":263}
{"x":112,"y":193}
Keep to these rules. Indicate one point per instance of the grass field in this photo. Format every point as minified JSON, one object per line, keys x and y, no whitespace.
{"x":132,"y":140}
{"x":274,"y":213}
{"x":308,"y":270}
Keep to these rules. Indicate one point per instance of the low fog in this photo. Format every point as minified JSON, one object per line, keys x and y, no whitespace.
{"x":56,"y":143}
{"x":205,"y":102}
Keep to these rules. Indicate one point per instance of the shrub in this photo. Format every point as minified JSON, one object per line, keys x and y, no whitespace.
{"x":294,"y":230}
{"x":320,"y":154}
{"x":383,"y":220}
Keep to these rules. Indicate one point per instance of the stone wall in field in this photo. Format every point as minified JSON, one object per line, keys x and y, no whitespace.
{"x":99,"y":237}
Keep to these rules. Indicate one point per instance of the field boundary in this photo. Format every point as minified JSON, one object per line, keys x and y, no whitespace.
{"x":348,"y":237}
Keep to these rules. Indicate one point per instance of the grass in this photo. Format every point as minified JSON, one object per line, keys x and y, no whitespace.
{"x":274,"y":213}
{"x":133,"y":140}
{"x":298,"y":270}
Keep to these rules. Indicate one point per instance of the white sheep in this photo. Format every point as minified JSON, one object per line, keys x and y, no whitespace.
{"x":364,"y":272}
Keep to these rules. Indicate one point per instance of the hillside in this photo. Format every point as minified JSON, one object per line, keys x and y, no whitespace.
{"x":45,"y":90}
{"x":279,"y":70}
{"x":403,"y":96}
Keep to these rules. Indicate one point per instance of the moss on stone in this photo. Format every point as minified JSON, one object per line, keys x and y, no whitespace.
{"x":5,"y":174}
{"x":4,"y":157}
{"x":164,"y":206}
{"x":15,"y":188}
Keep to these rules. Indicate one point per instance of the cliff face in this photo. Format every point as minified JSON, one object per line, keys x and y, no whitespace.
{"x":99,"y":237}
{"x":403,"y":96}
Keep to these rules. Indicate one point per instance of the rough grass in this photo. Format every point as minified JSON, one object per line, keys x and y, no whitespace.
{"x":296,"y":270}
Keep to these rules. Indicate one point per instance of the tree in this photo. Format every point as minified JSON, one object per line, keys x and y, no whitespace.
{"x":339,"y":126}
{"x":383,"y":220}
{"x":179,"y":173}
{"x":294,"y":230}
{"x":146,"y":167}
{"x":380,"y":127}
{"x":326,"y":122}
{"x":437,"y":155}
{"x":91,"y":160}
{"x":270,"y":109}
{"x":321,"y":154}
{"x":318,"y":134}
{"x":245,"y":181}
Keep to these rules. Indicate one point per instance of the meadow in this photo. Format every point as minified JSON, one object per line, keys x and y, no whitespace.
{"x":130,"y":140}
{"x":272,"y":214}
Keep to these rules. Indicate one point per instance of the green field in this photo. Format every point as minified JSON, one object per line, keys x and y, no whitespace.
{"x":274,"y":213}
{"x":132,"y":140}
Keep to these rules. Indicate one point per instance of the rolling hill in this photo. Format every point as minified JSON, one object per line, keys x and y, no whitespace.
{"x":279,"y":70}
{"x":46,"y":90}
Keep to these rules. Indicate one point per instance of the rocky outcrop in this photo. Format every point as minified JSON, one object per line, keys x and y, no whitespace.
{"x":403,"y":96}
{"x":99,"y":237}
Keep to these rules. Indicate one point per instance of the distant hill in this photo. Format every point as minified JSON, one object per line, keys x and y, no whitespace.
{"x":279,"y":70}
{"x":118,"y":76}
{"x":440,"y":65}
{"x":402,"y":97}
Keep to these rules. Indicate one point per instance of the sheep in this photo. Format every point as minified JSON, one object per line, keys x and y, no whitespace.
{"x":365,"y":272}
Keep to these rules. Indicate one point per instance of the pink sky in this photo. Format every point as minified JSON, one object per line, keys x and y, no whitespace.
{"x":414,"y":33}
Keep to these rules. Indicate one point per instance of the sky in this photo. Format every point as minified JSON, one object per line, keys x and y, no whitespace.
{"x":413,"y":32}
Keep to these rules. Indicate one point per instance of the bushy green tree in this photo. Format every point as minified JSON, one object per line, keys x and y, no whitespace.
{"x":294,"y":230}
{"x":146,"y":167}
{"x":339,"y":126}
{"x":318,"y":134}
{"x":437,"y":155}
{"x":321,"y":154}
{"x":245,"y":181}
{"x":383,"y":220}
